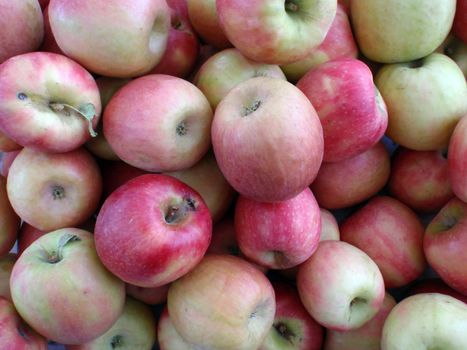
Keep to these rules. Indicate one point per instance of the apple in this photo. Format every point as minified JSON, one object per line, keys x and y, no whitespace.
{"x":49,"y":44}
{"x":340,"y":286}
{"x":168,"y":337}
{"x":167,"y":130}
{"x":338,"y":43}
{"x":7,"y":144}
{"x":352,"y":181}
{"x":135,"y":328}
{"x":293,"y":327}
{"x":350,"y":108}
{"x":378,"y":228}
{"x":43,"y":3}
{"x":114,"y":38}
{"x":150,"y":296}
{"x":420,"y":179}
{"x":426,"y":321}
{"x":457,"y":159}
{"x":456,"y":49}
{"x":267,"y":139}
{"x":157,"y":221}
{"x":223,"y":303}
{"x":276,"y":31}
{"x":226,"y":69}
{"x":459,"y":26}
{"x":9,"y":220}
{"x":434,"y":285}
{"x":367,"y":337}
{"x":60,"y":288}
{"x":445,"y":242}
{"x":16,"y":334}
{"x":425,"y":100}
{"x":400,"y":30}
{"x":23,"y":27}
{"x":51,"y":191}
{"x":278,"y":235}
{"x":6,"y":265}
{"x":115,"y":174}
{"x":55,"y":111}
{"x":7,"y":159}
{"x":26,"y":235}
{"x":329,"y":226}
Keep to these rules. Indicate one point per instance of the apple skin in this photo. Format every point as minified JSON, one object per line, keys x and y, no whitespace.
{"x":7,"y":144}
{"x":115,"y":174}
{"x":445,"y":242}
{"x":338,"y":43}
{"x":459,"y":26}
{"x":426,"y":321}
{"x":457,"y":159}
{"x":378,"y":228}
{"x":420,"y":179}
{"x":15,"y":334}
{"x":168,"y":337}
{"x":278,"y":235}
{"x":456,"y":49}
{"x":244,"y":150}
{"x":425,"y":100}
{"x":167,"y":130}
{"x":329,"y":226}
{"x":367,"y":337}
{"x":274,"y":31}
{"x":223,"y":303}
{"x":402,"y":30}
{"x":340,"y":286}
{"x":434,"y":285}
{"x":33,"y":111}
{"x":28,"y":234}
{"x":49,"y":44}
{"x":62,"y":268}
{"x":23,"y":27}
{"x":7,"y":159}
{"x":226,"y":69}
{"x":43,"y":3}
{"x":6,"y":265}
{"x":9,"y":220}
{"x":51,"y":191}
{"x":158,"y":221}
{"x":351,"y":110}
{"x":150,"y":296}
{"x":134,"y":329}
{"x":351,"y":181}
{"x":128,"y":43}
{"x":293,"y":327}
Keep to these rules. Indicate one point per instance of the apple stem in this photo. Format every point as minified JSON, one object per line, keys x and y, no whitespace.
{"x":56,"y":256}
{"x":250,"y":109}
{"x":177,"y":212}
{"x":284,"y":331}
{"x":87,"y":111}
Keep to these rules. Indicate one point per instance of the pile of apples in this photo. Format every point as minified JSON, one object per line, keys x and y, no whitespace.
{"x":233,"y":174}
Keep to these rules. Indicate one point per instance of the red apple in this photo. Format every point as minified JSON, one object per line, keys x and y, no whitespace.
{"x":457,"y":159}
{"x":150,"y":296}
{"x":459,"y":26}
{"x":6,"y":265}
{"x":28,"y":234}
{"x":49,"y":44}
{"x":115,"y":174}
{"x":434,"y":285}
{"x":9,"y":220}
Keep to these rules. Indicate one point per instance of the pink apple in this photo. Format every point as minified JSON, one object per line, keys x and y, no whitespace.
{"x":115,"y":38}
{"x":434,"y":285}
{"x":278,"y":235}
{"x":340,"y":286}
{"x":168,"y":337}
{"x":59,"y":281}
{"x":378,"y":228}
{"x":223,"y":303}
{"x":459,"y":26}
{"x":167,"y":130}
{"x":115,"y":174}
{"x":267,"y":139}
{"x":157,"y":221}
{"x":457,"y":159}
{"x":349,"y":182}
{"x":150,"y":296}
{"x":7,"y":159}
{"x":6,"y":265}
{"x":51,"y":191}
{"x":9,"y":220}
{"x":329,"y":226}
{"x":54,"y":112}
{"x":49,"y":44}
{"x":352,"y":112}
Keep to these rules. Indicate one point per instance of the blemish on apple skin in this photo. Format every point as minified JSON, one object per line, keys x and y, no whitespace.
{"x":22,"y":96}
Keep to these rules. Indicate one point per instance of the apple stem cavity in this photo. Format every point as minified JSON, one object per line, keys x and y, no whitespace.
{"x":57,"y":256}
{"x":176,"y":213}
{"x":182,"y":129}
{"x":253,"y":107}
{"x":291,"y":6}
{"x":116,"y":341}
{"x":87,"y":111}
{"x":449,"y":222}
{"x":284,"y":331}
{"x":58,"y":192}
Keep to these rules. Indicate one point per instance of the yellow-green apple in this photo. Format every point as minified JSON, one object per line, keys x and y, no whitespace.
{"x":351,"y":110}
{"x":168,"y":337}
{"x":276,"y":31}
{"x":158,"y":221}
{"x":15,"y":334}
{"x":23,"y":27}
{"x":115,"y":174}
{"x":223,"y":303}
{"x":206,"y":178}
{"x":351,"y":181}
{"x":425,"y":100}
{"x":293,"y":327}
{"x":278,"y":235}
{"x":7,"y":159}
{"x":9,"y":220}
{"x":445,"y":242}
{"x":167,"y":130}
{"x":367,"y":337}
{"x":426,"y":321}
{"x":456,"y":49}
{"x":329,"y":226}
{"x":400,"y":30}
{"x":7,"y":144}
{"x":115,"y":38}
{"x":6,"y":265}
{"x":267,"y":139}
{"x":60,"y":288}
{"x":378,"y":228}
{"x":226,"y":69}
{"x":457,"y":159}
{"x":51,"y":191}
{"x":180,"y":56}
{"x":56,"y":110}
{"x":203,"y":17}
{"x":338,"y":43}
{"x":135,"y":329}
{"x":340,"y":286}
{"x":420,"y":179}
{"x":459,"y":26}
{"x":150,"y":296}
{"x":434,"y":285}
